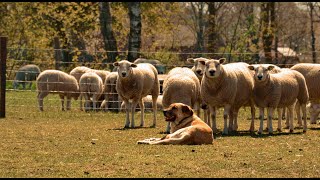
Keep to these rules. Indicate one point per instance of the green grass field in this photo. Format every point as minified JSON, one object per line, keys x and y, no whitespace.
{"x":93,"y":144}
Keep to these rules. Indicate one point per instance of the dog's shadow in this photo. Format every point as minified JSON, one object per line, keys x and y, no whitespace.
{"x":130,"y":128}
{"x":254,"y":134}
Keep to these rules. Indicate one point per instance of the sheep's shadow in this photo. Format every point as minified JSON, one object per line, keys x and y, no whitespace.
{"x":130,"y":128}
{"x":254,"y":134}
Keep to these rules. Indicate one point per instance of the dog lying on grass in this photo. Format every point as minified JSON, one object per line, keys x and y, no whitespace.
{"x":186,"y":127}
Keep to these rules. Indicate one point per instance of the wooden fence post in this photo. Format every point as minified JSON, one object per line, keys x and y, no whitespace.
{"x":3,"y":61}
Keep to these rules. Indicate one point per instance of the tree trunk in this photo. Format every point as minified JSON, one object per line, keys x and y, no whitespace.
{"x":313,"y":39}
{"x":110,"y":43}
{"x":135,"y":30}
{"x":267,"y":29}
{"x":212,"y":35}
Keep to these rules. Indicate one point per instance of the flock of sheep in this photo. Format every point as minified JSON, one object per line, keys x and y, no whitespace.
{"x":210,"y":84}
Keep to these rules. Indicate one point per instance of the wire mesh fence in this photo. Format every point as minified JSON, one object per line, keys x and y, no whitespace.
{"x":22,"y":94}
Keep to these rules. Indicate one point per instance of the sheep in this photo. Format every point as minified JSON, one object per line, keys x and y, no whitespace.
{"x":157,"y":64}
{"x":147,"y":104}
{"x":278,"y":90}
{"x":55,"y":81}
{"x":229,"y":86}
{"x":312,"y":76}
{"x":25,"y":75}
{"x":77,"y":72}
{"x":136,"y":81}
{"x":198,"y":69}
{"x":91,"y":86}
{"x":111,"y":96}
{"x":314,"y":109}
{"x":102,"y":73}
{"x":181,"y":86}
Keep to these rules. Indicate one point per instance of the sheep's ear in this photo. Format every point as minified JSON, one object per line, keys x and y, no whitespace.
{"x":251,"y":67}
{"x":116,"y":64}
{"x":190,"y":60}
{"x":270,"y":67}
{"x":203,"y":62}
{"x":222,"y":60}
{"x":133,"y":65}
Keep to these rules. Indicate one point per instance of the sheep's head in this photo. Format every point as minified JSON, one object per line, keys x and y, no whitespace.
{"x":314,"y":110}
{"x":261,"y":73}
{"x":124,"y":68}
{"x":199,"y":65}
{"x":213,"y":67}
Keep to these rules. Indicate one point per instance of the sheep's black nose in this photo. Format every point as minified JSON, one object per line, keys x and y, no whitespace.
{"x":124,"y":74}
{"x":260,"y":77}
{"x":199,"y":72}
{"x":212,"y":72}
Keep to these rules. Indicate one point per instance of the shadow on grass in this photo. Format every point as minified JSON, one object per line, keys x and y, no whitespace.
{"x":130,"y":128}
{"x":255,"y":134}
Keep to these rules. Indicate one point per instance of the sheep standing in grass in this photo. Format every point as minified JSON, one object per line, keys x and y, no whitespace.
{"x":311,"y":73}
{"x":198,"y":68}
{"x":57,"y":82}
{"x":279,"y":90}
{"x":77,"y":72}
{"x":181,"y":86}
{"x":111,"y":96}
{"x":147,"y":104}
{"x":229,"y":86}
{"x":25,"y":75}
{"x":91,"y":87}
{"x":136,"y":81}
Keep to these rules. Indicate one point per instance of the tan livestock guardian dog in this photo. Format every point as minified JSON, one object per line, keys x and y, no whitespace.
{"x":186,"y":127}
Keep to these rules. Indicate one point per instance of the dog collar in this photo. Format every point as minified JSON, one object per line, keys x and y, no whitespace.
{"x":182,"y":120}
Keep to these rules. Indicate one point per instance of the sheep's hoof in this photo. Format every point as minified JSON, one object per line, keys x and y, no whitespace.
{"x":270,"y":133}
{"x":291,"y":130}
{"x":313,"y":122}
{"x":279,"y":130}
{"x":259,"y":132}
{"x":304,"y":131}
{"x":153,"y":126}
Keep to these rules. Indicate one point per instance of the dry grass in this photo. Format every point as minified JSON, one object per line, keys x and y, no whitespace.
{"x":78,"y":144}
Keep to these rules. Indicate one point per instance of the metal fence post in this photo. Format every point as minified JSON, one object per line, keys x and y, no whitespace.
{"x":3,"y":61}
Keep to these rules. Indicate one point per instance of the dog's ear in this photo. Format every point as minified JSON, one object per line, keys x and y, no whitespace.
{"x":187,"y":109}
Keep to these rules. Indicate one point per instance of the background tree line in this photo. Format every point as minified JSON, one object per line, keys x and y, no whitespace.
{"x":100,"y":33}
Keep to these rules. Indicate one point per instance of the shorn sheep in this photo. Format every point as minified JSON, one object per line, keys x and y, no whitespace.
{"x":91,"y":88}
{"x":198,"y":68}
{"x":181,"y":86}
{"x":111,"y":100}
{"x":57,"y":82}
{"x":77,"y":72}
{"x":25,"y":75}
{"x":229,"y":86}
{"x":311,"y":73}
{"x":136,"y":81}
{"x":278,"y":90}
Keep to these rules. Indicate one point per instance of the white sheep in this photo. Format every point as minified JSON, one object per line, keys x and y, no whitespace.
{"x":57,"y":82}
{"x":314,"y":110}
{"x":136,"y":81}
{"x":199,"y":68}
{"x":77,"y":72}
{"x":229,"y":86}
{"x":181,"y":86}
{"x":91,"y":87}
{"x":25,"y":75}
{"x":311,"y":73}
{"x":111,"y":96}
{"x":278,"y":90}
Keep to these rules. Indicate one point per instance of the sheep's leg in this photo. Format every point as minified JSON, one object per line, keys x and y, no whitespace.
{"x":213,"y":112}
{"x":304,"y":113}
{"x":290,"y":115}
{"x":68,"y":103}
{"x":133,"y":109}
{"x":261,"y":116}
{"x":128,"y":108}
{"x":86,"y":102}
{"x":106,"y":99}
{"x":298,"y":112}
{"x":283,"y":113}
{"x":279,"y":120}
{"x":80,"y":101}
{"x":41,"y":95}
{"x":253,"y":115}
{"x":141,"y":104}
{"x":155,"y":108}
{"x":206,"y":116}
{"x":30,"y":84}
{"x":94,"y":101}
{"x":270,"y":115}
{"x":226,"y":113}
{"x":62,"y":101}
{"x":231,"y":118}
{"x":235,"y":119}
